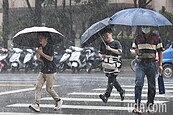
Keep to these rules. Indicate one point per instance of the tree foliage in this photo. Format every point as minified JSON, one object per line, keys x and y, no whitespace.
{"x":73,"y":20}
{"x":166,"y":32}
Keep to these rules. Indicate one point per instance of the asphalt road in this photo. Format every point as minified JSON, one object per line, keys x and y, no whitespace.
{"x":79,"y":93}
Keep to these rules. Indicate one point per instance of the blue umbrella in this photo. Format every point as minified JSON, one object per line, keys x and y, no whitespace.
{"x":139,"y":17}
{"x":93,"y":29}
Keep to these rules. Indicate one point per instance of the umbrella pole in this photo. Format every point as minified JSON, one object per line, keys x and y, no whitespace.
{"x":102,"y":39}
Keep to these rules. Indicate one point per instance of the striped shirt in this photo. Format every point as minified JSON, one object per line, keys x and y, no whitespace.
{"x":148,"y":46}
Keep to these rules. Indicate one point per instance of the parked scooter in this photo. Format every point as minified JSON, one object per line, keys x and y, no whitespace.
{"x":77,"y":58}
{"x":57,"y":58}
{"x":64,"y":61}
{"x":16,"y":59}
{"x":93,"y":61}
{"x":36,"y":64}
{"x":4,"y":61}
{"x":28,"y":60}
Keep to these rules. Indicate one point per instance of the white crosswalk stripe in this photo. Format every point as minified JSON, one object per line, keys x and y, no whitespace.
{"x":74,"y":107}
{"x":12,"y":113}
{"x":144,"y":90}
{"x":112,"y":94}
{"x":92,"y":97}
{"x":99,"y":100}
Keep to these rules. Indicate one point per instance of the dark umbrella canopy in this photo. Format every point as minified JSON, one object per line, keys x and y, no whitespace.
{"x":29,"y":36}
{"x":87,"y":36}
{"x":139,"y":17}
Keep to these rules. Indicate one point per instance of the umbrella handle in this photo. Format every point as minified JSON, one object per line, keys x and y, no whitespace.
{"x":102,"y":39}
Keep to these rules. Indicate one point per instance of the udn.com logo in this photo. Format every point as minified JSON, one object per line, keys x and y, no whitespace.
{"x":158,"y":107}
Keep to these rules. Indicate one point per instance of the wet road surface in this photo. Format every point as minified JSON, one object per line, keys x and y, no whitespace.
{"x":80,"y":94}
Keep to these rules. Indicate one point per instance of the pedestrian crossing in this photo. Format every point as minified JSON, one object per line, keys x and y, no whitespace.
{"x":90,"y":100}
{"x":11,"y":113}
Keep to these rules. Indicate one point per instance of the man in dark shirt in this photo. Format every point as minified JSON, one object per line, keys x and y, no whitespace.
{"x":45,"y":54}
{"x":111,"y":48}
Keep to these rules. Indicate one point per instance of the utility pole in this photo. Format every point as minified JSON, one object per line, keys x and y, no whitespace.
{"x":71,"y":20}
{"x":5,"y":25}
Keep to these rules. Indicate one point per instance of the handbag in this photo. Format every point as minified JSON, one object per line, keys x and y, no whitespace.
{"x":161,"y":85}
{"x":110,"y":66}
{"x":111,"y":63}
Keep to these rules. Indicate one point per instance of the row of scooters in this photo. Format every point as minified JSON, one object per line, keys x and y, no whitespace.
{"x":74,"y":58}
{"x":17,"y":59}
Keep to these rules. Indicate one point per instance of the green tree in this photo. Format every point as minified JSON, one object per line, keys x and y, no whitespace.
{"x":36,"y":13}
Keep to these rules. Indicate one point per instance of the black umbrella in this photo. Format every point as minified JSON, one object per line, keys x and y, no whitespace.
{"x":88,"y":36}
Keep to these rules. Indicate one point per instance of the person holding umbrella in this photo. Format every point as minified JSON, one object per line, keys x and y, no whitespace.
{"x":111,"y":47}
{"x":45,"y":54}
{"x":145,"y":46}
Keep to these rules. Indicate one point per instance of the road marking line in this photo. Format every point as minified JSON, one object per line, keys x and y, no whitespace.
{"x":21,"y":90}
{"x":168,"y":82}
{"x":99,"y":100}
{"x":145,"y":86}
{"x":76,"y":107}
{"x":16,"y":91}
{"x":13,"y":113}
{"x":16,"y":84}
{"x":144,"y":90}
{"x":113,"y":94}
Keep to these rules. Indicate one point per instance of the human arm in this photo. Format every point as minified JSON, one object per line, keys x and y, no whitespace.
{"x":159,"y":51}
{"x":101,"y":51}
{"x":135,"y":50}
{"x":160,"y":61}
{"x":115,"y":51}
{"x":41,"y":53}
{"x":115,"y":47}
{"x":102,"y":55}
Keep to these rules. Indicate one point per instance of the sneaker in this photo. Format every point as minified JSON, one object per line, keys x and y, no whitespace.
{"x":58,"y":104}
{"x":104,"y":98}
{"x":122,"y":95}
{"x":35,"y":107}
{"x":137,"y":111}
{"x":151,"y":110}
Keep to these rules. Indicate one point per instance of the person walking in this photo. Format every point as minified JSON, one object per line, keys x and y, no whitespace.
{"x":145,"y":46}
{"x":45,"y":54}
{"x":112,"y":48}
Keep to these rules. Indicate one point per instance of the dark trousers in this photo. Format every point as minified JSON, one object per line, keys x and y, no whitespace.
{"x":112,"y":81}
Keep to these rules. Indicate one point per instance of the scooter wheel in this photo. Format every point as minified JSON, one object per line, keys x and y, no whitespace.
{"x":61,"y":68}
{"x":73,"y":69}
{"x":26,"y":68}
{"x":88,"y":67}
{"x":13,"y":69}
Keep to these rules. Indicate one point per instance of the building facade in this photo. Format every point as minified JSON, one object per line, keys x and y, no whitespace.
{"x":155,"y":4}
